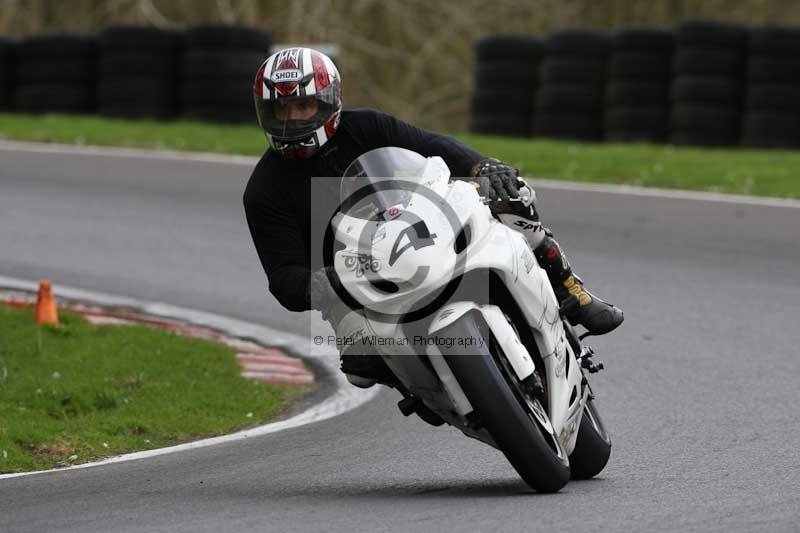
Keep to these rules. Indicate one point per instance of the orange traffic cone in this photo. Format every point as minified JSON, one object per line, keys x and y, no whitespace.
{"x":46,"y":312}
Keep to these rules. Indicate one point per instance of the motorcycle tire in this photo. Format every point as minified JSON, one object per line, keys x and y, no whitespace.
{"x":593,"y":447}
{"x":536,"y":454}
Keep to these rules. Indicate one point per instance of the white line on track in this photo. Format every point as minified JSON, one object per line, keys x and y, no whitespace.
{"x":345,"y":398}
{"x":203,"y":157}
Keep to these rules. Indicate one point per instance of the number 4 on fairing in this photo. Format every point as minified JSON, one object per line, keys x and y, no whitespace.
{"x":415,"y":236}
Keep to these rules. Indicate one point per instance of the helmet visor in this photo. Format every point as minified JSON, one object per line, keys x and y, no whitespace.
{"x":293,"y":118}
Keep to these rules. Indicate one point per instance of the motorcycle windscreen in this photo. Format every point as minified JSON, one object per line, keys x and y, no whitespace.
{"x":379,"y":184}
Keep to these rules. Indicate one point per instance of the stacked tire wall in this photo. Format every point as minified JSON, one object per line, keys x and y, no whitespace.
{"x":772,"y":105}
{"x":6,"y":73}
{"x":505,"y":84}
{"x":55,"y":73}
{"x":704,"y":84}
{"x":218,"y":70}
{"x":637,"y":92}
{"x":137,"y":72}
{"x":204,"y":72}
{"x":708,"y":84}
{"x":569,"y":104}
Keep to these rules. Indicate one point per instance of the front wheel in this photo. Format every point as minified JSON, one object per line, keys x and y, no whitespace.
{"x":517,"y":423}
{"x":593,"y":446}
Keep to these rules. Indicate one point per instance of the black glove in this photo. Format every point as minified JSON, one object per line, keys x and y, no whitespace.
{"x":496,"y":180}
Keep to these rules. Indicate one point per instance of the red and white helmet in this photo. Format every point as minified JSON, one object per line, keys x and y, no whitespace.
{"x":292,"y":75}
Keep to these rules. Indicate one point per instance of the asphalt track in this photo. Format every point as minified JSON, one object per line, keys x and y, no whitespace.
{"x":699,"y":390}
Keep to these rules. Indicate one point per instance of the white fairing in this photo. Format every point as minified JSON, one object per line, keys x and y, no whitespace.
{"x":419,"y":271}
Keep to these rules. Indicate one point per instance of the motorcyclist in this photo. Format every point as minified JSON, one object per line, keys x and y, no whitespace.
{"x":298,"y":98}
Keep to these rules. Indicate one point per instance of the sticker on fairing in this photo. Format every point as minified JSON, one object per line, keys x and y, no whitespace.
{"x":393,"y":212}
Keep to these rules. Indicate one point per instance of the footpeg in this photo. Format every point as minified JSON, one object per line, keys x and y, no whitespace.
{"x":408,"y":405}
{"x":411,"y":404}
{"x":587,"y":363}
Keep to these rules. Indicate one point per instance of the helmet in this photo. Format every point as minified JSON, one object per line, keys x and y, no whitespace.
{"x":298,"y":77}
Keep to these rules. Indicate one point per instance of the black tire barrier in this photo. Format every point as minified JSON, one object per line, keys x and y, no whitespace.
{"x":209,"y":93}
{"x":55,"y":73}
{"x":501,"y":123}
{"x":648,"y":123}
{"x":707,"y":89}
{"x":637,"y":93}
{"x":505,"y":84}
{"x":139,"y":39}
{"x":53,"y":98}
{"x":144,"y":91}
{"x":578,"y":42}
{"x":137,"y":69}
{"x":708,"y":125}
{"x":79,"y":70}
{"x":644,"y":66}
{"x":573,"y":75}
{"x":214,"y":64}
{"x":6,"y":73}
{"x":775,"y":41}
{"x":509,"y":47}
{"x":217,"y":72}
{"x":770,"y":130}
{"x":573,"y":69}
{"x":708,"y":86}
{"x":516,"y":75}
{"x":704,"y":33}
{"x":503,"y":100}
{"x":773,"y":69}
{"x":709,"y":61}
{"x":563,"y":125}
{"x":136,"y":64}
{"x":569,"y":97}
{"x":57,"y":45}
{"x":772,"y":107}
{"x":216,"y":37}
{"x":774,"y":97}
{"x":645,"y":40}
{"x":704,"y":118}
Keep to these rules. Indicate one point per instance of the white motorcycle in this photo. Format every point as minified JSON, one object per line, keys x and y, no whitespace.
{"x":466,"y":320}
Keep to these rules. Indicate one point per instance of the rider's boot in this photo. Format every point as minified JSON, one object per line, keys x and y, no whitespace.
{"x":586,"y":309}
{"x":582,"y":307}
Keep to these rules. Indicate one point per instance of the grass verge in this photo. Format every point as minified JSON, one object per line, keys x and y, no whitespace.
{"x":77,"y":392}
{"x":756,"y":172}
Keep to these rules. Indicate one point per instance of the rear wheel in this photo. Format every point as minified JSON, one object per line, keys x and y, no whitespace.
{"x":515,"y":419}
{"x":593,"y":447}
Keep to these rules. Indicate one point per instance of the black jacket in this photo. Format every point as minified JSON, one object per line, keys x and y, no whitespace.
{"x":277,"y":200}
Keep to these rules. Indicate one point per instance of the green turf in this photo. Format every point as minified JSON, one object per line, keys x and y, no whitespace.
{"x":736,"y":171}
{"x":756,"y":172}
{"x":77,"y":392}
